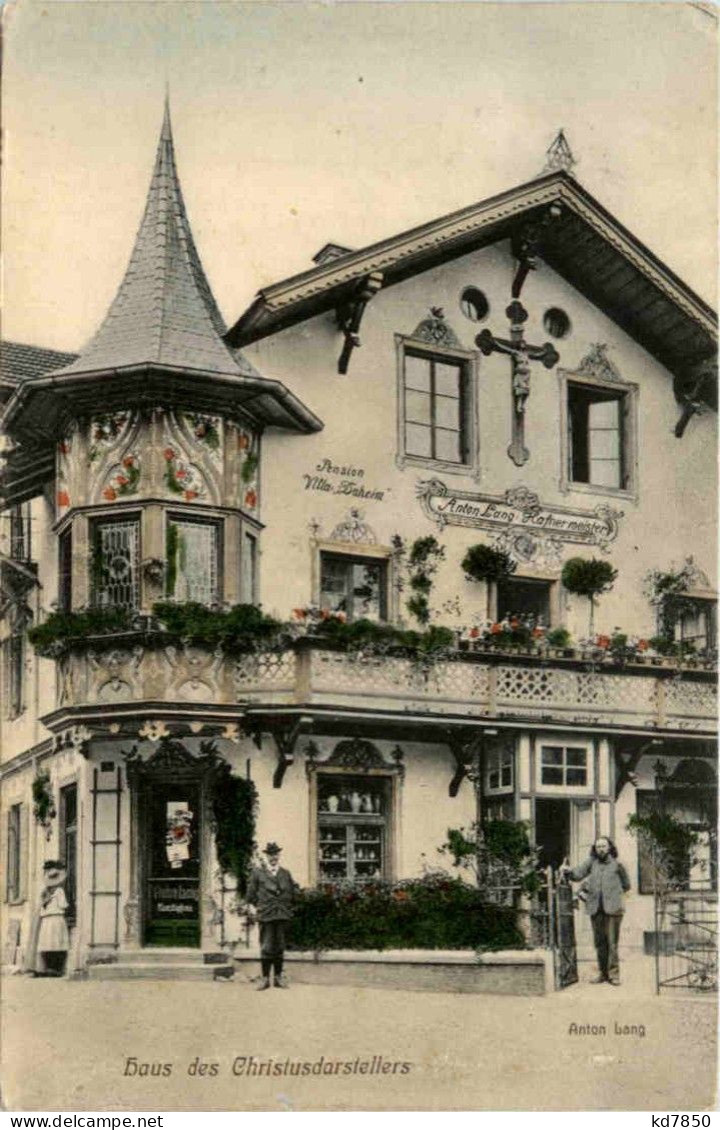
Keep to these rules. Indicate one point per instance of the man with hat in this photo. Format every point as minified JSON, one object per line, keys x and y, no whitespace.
{"x":270,"y":890}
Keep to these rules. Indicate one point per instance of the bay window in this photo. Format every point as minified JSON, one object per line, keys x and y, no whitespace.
{"x":193,"y":553}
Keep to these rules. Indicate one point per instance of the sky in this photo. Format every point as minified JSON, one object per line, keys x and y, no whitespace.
{"x":297,"y":124}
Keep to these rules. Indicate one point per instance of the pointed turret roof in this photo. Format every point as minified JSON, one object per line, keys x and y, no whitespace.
{"x":164,"y":312}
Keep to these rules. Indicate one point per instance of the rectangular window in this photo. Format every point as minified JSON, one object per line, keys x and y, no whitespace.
{"x":13,"y":873}
{"x":598,"y":440}
{"x":193,"y":552}
{"x":499,"y":770}
{"x":563,"y":765}
{"x":352,"y":827}
{"x":68,"y":845}
{"x":524,"y":597}
{"x":696,"y":808}
{"x":19,"y":533}
{"x":248,"y":569}
{"x":65,"y":570}
{"x":435,"y":409}
{"x":356,"y":586}
{"x":696,"y":623}
{"x":116,"y":551}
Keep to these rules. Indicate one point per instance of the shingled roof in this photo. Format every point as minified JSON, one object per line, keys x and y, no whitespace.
{"x":164,"y":312}
{"x":19,"y":363}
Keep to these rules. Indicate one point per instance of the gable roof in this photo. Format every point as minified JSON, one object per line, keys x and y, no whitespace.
{"x":20,"y":362}
{"x":585,"y":244}
{"x":164,"y":312}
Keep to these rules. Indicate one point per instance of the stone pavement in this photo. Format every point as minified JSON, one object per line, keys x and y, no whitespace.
{"x":66,"y":1046}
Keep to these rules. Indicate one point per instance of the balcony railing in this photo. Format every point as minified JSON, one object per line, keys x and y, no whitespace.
{"x":312,"y":673}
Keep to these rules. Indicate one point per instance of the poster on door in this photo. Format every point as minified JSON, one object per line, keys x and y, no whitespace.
{"x":178,"y":836}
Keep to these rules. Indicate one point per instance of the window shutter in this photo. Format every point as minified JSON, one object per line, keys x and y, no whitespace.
{"x":626,"y":441}
{"x":5,"y":857}
{"x":23,"y":852}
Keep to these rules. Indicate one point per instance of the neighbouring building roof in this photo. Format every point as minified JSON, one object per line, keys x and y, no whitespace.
{"x":19,"y":362}
{"x":585,"y":244}
{"x":164,"y":312}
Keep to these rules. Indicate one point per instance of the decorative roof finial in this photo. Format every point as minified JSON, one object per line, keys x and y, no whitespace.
{"x":559,"y":155}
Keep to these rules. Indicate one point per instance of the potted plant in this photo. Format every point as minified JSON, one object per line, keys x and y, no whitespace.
{"x":558,"y":640}
{"x":588,"y":577}
{"x":483,"y":563}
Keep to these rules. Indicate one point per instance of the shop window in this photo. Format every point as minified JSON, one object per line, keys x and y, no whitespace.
{"x":356,"y":586}
{"x":192,"y":556}
{"x":353,"y":827}
{"x":248,"y":568}
{"x":563,"y":766}
{"x":68,"y":846}
{"x":499,"y":770}
{"x":599,"y":436}
{"x":65,"y":570}
{"x":13,"y":873}
{"x":525,"y":598}
{"x":116,"y":551}
{"x":436,"y":408}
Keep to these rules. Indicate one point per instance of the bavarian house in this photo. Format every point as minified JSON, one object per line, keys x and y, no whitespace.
{"x":443,"y":433}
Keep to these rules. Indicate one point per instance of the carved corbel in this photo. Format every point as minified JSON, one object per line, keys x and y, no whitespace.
{"x":692,"y":391}
{"x":463,"y":746}
{"x":350,"y":316}
{"x":285,"y":742}
{"x":526,"y":245}
{"x":626,"y":765}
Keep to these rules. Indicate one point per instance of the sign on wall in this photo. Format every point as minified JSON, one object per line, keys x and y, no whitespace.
{"x":519,"y":509}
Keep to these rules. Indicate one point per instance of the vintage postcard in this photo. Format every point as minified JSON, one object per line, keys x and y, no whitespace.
{"x":358,"y":550}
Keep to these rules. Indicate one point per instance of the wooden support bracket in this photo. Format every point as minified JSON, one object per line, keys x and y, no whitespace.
{"x":285,"y":742}
{"x":350,"y":316}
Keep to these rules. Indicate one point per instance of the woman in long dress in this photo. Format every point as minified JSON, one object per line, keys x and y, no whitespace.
{"x":49,"y":951}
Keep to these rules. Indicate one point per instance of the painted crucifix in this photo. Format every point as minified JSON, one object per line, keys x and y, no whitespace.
{"x":522,"y":353}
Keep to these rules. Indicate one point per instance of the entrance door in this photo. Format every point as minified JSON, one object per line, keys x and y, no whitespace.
{"x":552,"y":831}
{"x":172,"y":864}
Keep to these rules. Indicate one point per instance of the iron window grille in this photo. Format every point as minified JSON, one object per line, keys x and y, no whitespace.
{"x":116,"y":552}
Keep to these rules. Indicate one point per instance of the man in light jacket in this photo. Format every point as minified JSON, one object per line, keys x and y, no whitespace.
{"x":605,"y":882}
{"x":271,"y":889}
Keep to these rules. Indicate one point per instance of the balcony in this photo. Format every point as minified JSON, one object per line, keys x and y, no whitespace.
{"x":137,"y":673}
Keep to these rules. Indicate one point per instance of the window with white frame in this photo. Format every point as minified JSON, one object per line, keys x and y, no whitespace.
{"x":436,"y":406}
{"x":564,"y":766}
{"x":354,"y":585}
{"x":599,"y":444}
{"x":696,"y":622}
{"x":499,"y":770}
{"x":192,"y":560}
{"x":116,"y":556}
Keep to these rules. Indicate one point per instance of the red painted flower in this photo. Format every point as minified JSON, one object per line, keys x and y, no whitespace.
{"x":63,"y":498}
{"x":129,"y":461}
{"x":122,"y":480}
{"x":109,"y":494}
{"x":180,"y":474}
{"x":251,"y":499}
{"x":189,"y":495}
{"x":169,"y":454}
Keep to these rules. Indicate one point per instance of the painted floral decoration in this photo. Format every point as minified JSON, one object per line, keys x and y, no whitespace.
{"x":123,"y":480}
{"x":180,"y":477}
{"x":104,"y":430}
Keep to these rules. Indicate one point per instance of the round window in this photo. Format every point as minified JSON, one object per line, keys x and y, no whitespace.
{"x":556,"y":322}
{"x":474,"y":304}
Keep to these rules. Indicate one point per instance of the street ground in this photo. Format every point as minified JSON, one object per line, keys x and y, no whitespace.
{"x":66,"y":1045}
